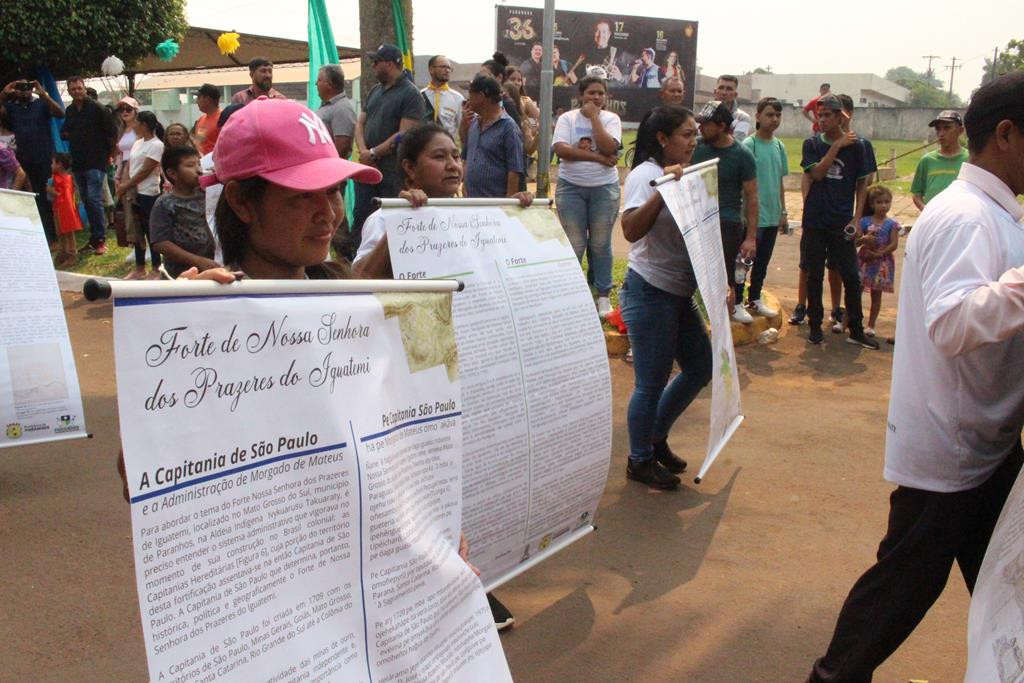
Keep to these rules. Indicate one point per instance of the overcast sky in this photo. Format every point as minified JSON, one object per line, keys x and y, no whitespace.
{"x":790,"y":37}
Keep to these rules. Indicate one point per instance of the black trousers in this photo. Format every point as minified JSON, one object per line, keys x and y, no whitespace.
{"x":38,"y":174}
{"x":817,"y":245}
{"x":765,"y":248}
{"x":927,"y":532}
{"x":732,"y":237}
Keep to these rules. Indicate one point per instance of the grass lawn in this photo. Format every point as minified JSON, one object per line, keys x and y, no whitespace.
{"x":111,"y":264}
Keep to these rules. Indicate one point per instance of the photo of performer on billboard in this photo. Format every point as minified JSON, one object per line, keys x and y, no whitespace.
{"x":672,"y":68}
{"x":563,"y":73}
{"x":645,"y":73}
{"x":531,"y":67}
{"x":617,"y":63}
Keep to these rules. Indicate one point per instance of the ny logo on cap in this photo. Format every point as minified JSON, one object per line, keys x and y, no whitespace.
{"x":315,"y":127}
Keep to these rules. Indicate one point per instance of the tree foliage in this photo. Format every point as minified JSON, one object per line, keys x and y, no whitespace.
{"x":925,"y":90}
{"x":74,"y":37}
{"x":1010,"y":59}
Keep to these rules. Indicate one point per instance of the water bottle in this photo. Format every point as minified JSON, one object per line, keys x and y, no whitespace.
{"x":742,"y":266}
{"x":848,"y":232}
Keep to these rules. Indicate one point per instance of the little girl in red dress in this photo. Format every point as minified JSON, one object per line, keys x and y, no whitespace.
{"x":65,"y":211}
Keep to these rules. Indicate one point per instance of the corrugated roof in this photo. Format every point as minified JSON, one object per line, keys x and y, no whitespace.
{"x":199,"y":51}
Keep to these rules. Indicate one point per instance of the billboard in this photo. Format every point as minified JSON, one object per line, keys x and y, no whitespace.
{"x":638,"y":54}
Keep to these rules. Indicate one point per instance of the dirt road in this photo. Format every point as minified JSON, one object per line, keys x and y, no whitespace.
{"x":739,"y":579}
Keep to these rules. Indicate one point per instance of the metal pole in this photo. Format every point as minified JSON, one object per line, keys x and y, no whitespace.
{"x":96,"y":289}
{"x":547,"y":78}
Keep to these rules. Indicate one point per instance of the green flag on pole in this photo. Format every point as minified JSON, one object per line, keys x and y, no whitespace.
{"x":402,"y":34}
{"x":322,"y":48}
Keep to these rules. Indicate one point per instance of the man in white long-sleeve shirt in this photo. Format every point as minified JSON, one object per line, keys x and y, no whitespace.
{"x":953,"y":443}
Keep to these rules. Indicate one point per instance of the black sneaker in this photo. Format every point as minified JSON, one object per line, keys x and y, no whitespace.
{"x":651,"y":472}
{"x":503,"y":619}
{"x":799,"y":313}
{"x":669,"y":460}
{"x":814,"y":335}
{"x":837,"y":320}
{"x":861,"y":339}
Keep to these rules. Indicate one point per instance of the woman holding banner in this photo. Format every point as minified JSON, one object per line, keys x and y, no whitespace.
{"x":587,"y":140}
{"x":664,"y":323}
{"x":430,"y":163}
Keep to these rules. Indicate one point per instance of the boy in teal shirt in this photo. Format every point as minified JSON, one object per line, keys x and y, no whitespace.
{"x":772,"y":164}
{"x":938,"y":168}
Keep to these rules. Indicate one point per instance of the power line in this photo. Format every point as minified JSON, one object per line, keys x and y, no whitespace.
{"x":930,"y":59}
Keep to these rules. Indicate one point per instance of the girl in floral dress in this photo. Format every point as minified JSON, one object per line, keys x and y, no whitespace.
{"x":881,"y":237}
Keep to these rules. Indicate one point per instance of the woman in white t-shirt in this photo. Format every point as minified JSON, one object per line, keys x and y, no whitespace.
{"x":143,"y":183}
{"x":587,"y":141}
{"x":664,"y":323}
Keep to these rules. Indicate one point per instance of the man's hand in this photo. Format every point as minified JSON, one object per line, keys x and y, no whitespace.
{"x":9,"y":88}
{"x":846,"y":140}
{"x":748,"y":248}
{"x":120,"y":189}
{"x":525,"y":198}
{"x":38,"y":88}
{"x":604,"y":159}
{"x":364,"y":157}
{"x":783,"y":223}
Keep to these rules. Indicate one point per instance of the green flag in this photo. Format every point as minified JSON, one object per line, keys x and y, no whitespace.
{"x":402,"y":34}
{"x":322,"y":48}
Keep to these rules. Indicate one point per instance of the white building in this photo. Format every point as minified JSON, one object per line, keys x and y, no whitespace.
{"x":867,"y":90}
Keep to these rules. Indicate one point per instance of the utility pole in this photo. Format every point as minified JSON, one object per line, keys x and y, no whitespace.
{"x":995,"y":64}
{"x":952,"y":72}
{"x":930,"y":59}
{"x":547,"y":75}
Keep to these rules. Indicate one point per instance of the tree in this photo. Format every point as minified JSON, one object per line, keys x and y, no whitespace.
{"x":75,"y":37}
{"x":376,"y":26}
{"x":1010,"y":59}
{"x":925,"y":90}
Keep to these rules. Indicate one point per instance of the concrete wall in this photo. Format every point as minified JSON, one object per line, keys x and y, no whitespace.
{"x":875,"y":123}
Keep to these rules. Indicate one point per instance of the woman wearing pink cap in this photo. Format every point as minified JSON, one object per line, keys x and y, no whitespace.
{"x":282,"y":198}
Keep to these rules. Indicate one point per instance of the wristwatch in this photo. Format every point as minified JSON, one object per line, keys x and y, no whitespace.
{"x":373,"y":153}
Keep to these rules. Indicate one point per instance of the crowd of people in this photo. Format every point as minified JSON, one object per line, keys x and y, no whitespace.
{"x":256,"y":190}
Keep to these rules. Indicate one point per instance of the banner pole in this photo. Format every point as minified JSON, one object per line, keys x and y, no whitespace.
{"x":686,"y":171}
{"x":457,"y":201}
{"x":546,"y":103}
{"x":95,"y":290}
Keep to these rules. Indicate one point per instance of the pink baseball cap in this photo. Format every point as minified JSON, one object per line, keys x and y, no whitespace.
{"x":285,"y":143}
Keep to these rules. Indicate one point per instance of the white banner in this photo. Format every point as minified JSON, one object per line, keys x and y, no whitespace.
{"x":295,"y":478}
{"x":39,"y":395}
{"x":693,"y":203}
{"x":534,"y":370}
{"x":995,"y":626}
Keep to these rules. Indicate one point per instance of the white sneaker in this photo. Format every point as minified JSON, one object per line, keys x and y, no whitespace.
{"x":758,"y":307}
{"x":604,"y":306}
{"x":740,"y":315}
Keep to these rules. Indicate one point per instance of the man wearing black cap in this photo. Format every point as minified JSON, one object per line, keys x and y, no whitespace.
{"x":838,"y":170}
{"x":392,"y":106}
{"x":737,"y":191}
{"x":938,"y":168}
{"x":952,"y":445}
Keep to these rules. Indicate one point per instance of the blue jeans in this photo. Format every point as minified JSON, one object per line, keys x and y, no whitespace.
{"x":765,"y":247}
{"x":588,"y":215}
{"x":663,"y":328}
{"x":90,"y":187}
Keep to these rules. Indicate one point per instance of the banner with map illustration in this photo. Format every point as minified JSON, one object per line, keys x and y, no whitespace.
{"x":693,"y":203}
{"x":294,"y":467}
{"x":536,"y":391}
{"x":995,"y":625}
{"x":40,"y":398}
